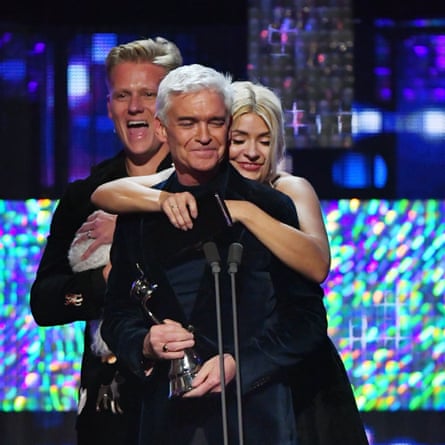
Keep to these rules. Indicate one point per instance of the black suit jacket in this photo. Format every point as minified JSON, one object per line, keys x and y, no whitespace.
{"x":282,"y":316}
{"x":55,"y":280}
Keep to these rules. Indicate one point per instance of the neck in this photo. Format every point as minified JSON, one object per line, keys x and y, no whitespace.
{"x":195,"y":178}
{"x":146,"y":164}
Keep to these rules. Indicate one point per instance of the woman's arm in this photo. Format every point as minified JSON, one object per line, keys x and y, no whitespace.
{"x":307,"y":250}
{"x":134,"y":194}
{"x":131,"y":194}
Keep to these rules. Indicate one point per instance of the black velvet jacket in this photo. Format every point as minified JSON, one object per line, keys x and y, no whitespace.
{"x":283,"y":328}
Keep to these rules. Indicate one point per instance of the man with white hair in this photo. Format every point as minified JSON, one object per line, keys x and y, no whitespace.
{"x":282,"y":318}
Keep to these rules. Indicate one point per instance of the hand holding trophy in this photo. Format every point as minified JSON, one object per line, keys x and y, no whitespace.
{"x":183,"y":370}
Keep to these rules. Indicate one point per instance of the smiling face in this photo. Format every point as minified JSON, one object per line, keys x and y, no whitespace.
{"x":131,"y":105}
{"x":196,"y":131}
{"x":250,"y":145}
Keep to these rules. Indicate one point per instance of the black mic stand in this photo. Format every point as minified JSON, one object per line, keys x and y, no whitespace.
{"x":213,"y":258}
{"x":234,"y":260}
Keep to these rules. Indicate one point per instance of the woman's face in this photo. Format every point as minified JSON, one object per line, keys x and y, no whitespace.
{"x":250,"y":145}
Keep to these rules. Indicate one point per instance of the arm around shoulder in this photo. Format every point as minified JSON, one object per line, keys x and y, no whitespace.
{"x":132,"y":194}
{"x":306,"y":249}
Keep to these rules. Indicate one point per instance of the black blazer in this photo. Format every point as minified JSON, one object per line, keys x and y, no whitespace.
{"x":282,"y":316}
{"x":55,"y":279}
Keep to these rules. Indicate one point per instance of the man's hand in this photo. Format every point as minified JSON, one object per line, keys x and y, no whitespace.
{"x":167,"y":340}
{"x":208,"y":379}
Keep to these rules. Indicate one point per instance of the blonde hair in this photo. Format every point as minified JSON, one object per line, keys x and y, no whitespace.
{"x":158,"y":51}
{"x":258,"y":99}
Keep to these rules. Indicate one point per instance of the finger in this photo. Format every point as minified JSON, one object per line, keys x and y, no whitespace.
{"x":195,"y":392}
{"x":105,"y":402}
{"x":171,"y":322}
{"x":118,"y":409}
{"x":184,"y":217}
{"x":93,"y":215}
{"x":168,"y":208}
{"x":85,"y":228}
{"x":79,"y":238}
{"x":192,"y":207}
{"x":187,"y":207}
{"x":90,"y":249}
{"x":201,"y":389}
{"x":174,"y":349}
{"x":113,"y":407}
{"x":176,"y":216}
{"x":199,"y":378}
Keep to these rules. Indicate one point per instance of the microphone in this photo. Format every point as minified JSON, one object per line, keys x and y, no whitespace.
{"x":234,"y":257}
{"x":233,"y":261}
{"x":212,"y":255}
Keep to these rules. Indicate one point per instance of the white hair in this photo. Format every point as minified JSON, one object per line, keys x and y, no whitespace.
{"x":191,"y":79}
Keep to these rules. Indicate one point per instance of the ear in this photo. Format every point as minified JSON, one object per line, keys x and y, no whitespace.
{"x":160,"y":130}
{"x":109,"y":107}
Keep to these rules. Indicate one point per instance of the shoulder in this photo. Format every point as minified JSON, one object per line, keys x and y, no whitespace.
{"x":249,"y":188}
{"x":117,"y":161}
{"x":293,"y":186}
{"x":285,"y":179}
{"x":107,"y":170}
{"x":270,"y":199}
{"x":76,"y":197}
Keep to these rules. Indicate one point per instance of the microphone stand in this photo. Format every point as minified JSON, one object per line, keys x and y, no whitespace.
{"x":213,"y":258}
{"x":234,"y":260}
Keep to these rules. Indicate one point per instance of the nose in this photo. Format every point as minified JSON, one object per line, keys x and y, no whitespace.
{"x":136,"y":104}
{"x":251,"y":151}
{"x":203,"y":133}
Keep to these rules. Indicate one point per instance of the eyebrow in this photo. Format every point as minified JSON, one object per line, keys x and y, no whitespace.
{"x":196,"y":119}
{"x":266,"y":133}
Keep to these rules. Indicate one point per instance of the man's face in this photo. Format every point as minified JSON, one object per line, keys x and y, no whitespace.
{"x":131,"y":106}
{"x":196,"y":132}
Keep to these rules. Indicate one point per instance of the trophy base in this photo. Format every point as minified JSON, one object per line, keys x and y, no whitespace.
{"x":180,"y":384}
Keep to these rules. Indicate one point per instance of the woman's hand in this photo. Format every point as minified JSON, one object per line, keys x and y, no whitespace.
{"x":98,"y":227}
{"x":181,"y":209}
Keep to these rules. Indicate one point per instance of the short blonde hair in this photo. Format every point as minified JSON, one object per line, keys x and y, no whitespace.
{"x":158,"y":51}
{"x":258,"y":99}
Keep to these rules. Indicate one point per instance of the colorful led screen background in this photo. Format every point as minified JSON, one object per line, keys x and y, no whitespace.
{"x":384,"y":295}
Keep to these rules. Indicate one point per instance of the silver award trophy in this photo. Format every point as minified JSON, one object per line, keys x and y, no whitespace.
{"x":182,"y":370}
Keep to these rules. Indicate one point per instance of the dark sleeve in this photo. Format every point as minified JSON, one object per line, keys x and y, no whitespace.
{"x":58,"y":295}
{"x":297,"y":330}
{"x":298,"y":325}
{"x":124,"y":325}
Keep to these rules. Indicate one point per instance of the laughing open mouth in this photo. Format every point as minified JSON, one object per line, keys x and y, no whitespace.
{"x":137,"y":124}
